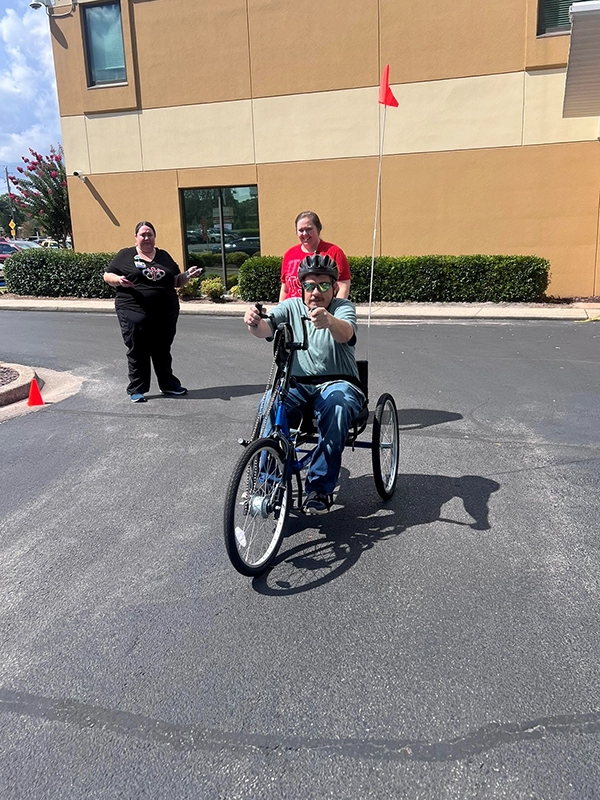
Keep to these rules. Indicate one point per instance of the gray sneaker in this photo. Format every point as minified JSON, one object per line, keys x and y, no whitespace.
{"x":318,"y":503}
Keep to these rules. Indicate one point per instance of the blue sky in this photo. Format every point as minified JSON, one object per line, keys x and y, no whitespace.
{"x":28,"y":104}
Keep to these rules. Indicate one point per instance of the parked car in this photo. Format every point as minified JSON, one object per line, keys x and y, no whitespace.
{"x":7,"y":249}
{"x":246,"y":244}
{"x":49,"y":243}
{"x":215,"y":236}
{"x":24,"y":244}
{"x":195,"y":237}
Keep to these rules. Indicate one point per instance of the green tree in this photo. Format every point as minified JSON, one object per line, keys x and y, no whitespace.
{"x":42,"y":192}
{"x":5,"y":215}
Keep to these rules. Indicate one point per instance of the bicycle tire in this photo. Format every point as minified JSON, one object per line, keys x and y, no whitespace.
{"x":385,"y":446}
{"x":257,"y":504}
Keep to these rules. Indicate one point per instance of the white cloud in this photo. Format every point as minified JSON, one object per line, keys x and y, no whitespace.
{"x":28,"y":98}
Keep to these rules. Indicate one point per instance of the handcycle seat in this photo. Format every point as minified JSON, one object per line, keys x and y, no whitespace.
{"x":307,"y":427}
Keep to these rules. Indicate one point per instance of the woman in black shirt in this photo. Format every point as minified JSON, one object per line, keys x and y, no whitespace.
{"x":147,"y":307}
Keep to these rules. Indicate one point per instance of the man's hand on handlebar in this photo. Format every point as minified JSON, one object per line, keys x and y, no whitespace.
{"x":320,"y":317}
{"x":254,"y":314}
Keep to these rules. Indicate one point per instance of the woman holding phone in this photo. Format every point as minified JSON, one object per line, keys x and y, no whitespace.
{"x":147,"y":307}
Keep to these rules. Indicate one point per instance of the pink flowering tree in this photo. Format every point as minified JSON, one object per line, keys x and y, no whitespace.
{"x":40,"y":191}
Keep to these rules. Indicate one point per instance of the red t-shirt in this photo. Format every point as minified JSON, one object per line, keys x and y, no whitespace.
{"x":293,"y":257}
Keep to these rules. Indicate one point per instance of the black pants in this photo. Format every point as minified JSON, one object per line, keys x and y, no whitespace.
{"x":148,"y":339}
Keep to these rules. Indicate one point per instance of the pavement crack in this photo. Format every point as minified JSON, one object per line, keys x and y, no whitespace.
{"x":196,"y":738}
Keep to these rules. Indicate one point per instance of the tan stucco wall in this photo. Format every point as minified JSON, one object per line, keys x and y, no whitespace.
{"x":478,"y":157}
{"x":184,"y":53}
{"x":504,"y":110}
{"x":191,"y":52}
{"x":540,"y":200}
{"x":527,"y":200}
{"x":441,"y":39}
{"x":533,"y":200}
{"x":298,"y":48}
{"x":106,"y":208}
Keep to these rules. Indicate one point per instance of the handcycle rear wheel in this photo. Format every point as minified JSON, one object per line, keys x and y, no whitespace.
{"x":257,"y":505}
{"x":385,"y":446}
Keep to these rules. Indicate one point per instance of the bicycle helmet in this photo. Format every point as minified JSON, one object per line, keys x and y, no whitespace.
{"x":318,"y":265}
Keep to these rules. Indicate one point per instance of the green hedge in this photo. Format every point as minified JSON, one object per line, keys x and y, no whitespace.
{"x":259,"y":279}
{"x":479,"y":278}
{"x":432,"y":279}
{"x":45,"y":272}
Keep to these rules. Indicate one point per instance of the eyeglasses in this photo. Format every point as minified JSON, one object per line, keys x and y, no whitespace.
{"x":312,"y":287}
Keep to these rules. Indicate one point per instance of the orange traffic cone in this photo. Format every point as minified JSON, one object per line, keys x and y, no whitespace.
{"x":35,"y":396}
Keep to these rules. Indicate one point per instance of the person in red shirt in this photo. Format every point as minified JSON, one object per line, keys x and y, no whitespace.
{"x":308,"y":229}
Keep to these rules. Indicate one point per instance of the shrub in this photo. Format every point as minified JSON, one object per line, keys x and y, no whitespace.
{"x":191,"y":291}
{"x":46,"y":272}
{"x":212,"y":288}
{"x":235,"y":291}
{"x":476,"y":278}
{"x":259,"y":279}
{"x":193,"y":288}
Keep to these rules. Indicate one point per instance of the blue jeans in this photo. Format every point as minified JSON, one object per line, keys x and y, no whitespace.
{"x":335,"y":406}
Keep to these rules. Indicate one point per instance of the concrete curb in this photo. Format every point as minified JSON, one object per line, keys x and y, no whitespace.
{"x":18,"y":389}
{"x":57,"y":386}
{"x":379,"y":311}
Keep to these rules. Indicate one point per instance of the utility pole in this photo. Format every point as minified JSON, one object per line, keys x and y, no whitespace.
{"x":11,"y":224}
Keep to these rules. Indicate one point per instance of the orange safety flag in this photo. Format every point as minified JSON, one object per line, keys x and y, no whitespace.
{"x":386,"y":96}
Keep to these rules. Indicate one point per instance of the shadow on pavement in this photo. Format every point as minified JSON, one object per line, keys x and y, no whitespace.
{"x":418,"y":418}
{"x":218,"y":392}
{"x":345,"y":533}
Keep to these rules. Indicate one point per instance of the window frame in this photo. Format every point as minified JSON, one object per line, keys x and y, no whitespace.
{"x":88,"y":50}
{"x":556,"y":30}
{"x":219,"y":199}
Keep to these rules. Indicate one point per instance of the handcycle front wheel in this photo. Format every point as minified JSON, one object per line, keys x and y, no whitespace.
{"x":257,"y":505}
{"x":385,"y":446}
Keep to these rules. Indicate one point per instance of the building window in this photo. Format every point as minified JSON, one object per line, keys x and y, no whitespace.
{"x":103,"y":33}
{"x":553,"y":16}
{"x":222,"y":222}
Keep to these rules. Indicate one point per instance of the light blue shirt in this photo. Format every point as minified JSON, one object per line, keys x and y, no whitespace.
{"x":324,"y":356}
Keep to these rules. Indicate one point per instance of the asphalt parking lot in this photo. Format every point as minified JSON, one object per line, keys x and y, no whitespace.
{"x":443,"y":645}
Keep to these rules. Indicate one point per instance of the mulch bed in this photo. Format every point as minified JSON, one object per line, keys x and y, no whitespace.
{"x":7,"y":375}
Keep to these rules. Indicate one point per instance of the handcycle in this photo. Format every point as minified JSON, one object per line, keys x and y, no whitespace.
{"x":266,"y":484}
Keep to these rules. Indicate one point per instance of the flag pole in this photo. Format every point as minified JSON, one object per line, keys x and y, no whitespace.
{"x":386,"y":98}
{"x":377,"y":198}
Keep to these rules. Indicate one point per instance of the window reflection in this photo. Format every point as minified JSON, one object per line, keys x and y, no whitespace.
{"x":223,"y":217}
{"x":104,"y":43}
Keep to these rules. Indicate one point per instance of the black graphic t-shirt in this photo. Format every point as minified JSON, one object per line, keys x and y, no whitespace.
{"x":154,"y":281}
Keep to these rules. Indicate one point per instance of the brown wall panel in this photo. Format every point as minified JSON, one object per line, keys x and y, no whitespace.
{"x":341,"y":192}
{"x":69,"y":63}
{"x":528,"y":200}
{"x":208,"y":177}
{"x":523,"y":200}
{"x":191,"y":52}
{"x":106,"y":208}
{"x":296,"y":49}
{"x":441,"y":39}
{"x":74,"y":95}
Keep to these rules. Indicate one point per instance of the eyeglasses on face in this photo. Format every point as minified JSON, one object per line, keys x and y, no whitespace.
{"x":308,"y":286}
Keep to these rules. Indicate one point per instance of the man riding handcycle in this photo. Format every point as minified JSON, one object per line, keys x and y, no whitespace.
{"x":315,"y":377}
